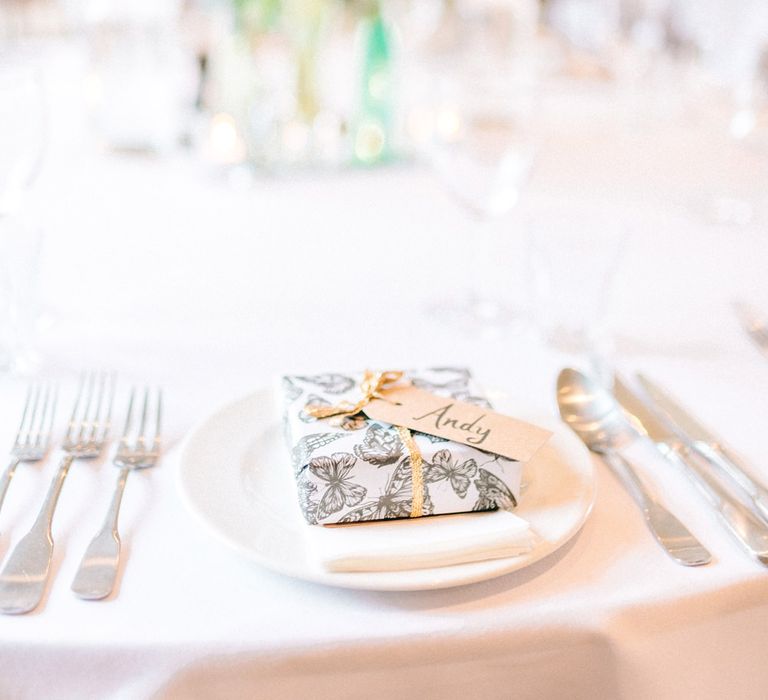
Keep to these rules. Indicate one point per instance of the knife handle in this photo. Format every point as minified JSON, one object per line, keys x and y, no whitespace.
{"x":674,"y":537}
{"x":729,"y":464}
{"x":744,"y":525}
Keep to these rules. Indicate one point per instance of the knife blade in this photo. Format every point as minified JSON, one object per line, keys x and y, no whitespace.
{"x":643,"y":417}
{"x":704,"y":442}
{"x":750,"y":530}
{"x":676,"y":416}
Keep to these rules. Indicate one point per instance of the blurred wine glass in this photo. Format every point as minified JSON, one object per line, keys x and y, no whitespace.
{"x":731,"y":40}
{"x":484,"y":142}
{"x":22,"y":144}
{"x":484,"y":150}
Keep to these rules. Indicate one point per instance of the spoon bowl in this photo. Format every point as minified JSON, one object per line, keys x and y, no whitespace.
{"x":592,"y":413}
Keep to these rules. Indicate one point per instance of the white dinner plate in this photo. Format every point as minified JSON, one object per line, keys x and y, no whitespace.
{"x":235,"y":476}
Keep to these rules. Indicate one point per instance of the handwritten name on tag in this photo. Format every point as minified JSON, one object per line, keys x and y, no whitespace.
{"x":458,"y":421}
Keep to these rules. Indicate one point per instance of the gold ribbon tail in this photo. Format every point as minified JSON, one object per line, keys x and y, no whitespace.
{"x":417,"y":474}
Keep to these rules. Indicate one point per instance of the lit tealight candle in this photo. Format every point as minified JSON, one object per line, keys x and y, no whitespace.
{"x":369,"y":142}
{"x":449,"y":124}
{"x":420,"y":125}
{"x":295,"y":139}
{"x":224,"y":144}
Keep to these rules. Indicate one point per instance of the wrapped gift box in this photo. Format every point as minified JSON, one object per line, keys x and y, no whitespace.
{"x":352,"y":468}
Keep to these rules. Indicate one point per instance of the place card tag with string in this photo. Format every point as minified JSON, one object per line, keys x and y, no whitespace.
{"x":467,"y":423}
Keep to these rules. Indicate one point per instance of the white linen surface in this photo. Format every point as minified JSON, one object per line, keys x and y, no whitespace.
{"x":421,"y":543}
{"x":214,"y":292}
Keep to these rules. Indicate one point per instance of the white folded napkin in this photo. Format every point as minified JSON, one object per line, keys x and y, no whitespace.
{"x":421,"y":543}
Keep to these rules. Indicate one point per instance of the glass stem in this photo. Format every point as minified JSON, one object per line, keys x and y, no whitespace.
{"x":485,"y":295}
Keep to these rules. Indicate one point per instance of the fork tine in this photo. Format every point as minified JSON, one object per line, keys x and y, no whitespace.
{"x":73,"y":418}
{"x":102,"y":380}
{"x":128,"y":417}
{"x":762,"y":332}
{"x":107,"y":423}
{"x":52,"y":414}
{"x":144,"y":409}
{"x":87,"y":407}
{"x":37,"y":436}
{"x":753,"y":323}
{"x":24,"y":414}
{"x":156,"y":441}
{"x":758,"y":334}
{"x":33,"y":414}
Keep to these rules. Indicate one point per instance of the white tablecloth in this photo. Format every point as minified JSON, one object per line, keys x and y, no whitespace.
{"x":161,"y":270}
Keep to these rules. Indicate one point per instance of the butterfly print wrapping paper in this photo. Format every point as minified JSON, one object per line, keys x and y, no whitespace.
{"x":355,"y":469}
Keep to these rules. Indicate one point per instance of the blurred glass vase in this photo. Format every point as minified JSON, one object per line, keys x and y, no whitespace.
{"x":305,"y":83}
{"x":373,"y":130}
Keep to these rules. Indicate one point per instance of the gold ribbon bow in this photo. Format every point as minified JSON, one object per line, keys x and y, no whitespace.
{"x":372,"y":386}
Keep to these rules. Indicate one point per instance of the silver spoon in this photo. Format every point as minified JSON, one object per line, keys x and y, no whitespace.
{"x":593,"y":414}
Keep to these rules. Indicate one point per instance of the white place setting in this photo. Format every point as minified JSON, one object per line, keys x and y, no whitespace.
{"x":383,"y":349}
{"x":244,"y":513}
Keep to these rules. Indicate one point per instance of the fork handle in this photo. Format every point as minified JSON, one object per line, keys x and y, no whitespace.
{"x":97,"y":572}
{"x":25,"y":574}
{"x":5,"y":479}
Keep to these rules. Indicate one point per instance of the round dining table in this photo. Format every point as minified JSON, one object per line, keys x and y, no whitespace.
{"x":212,"y":283}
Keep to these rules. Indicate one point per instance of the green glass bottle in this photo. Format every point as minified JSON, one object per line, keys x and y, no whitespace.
{"x":374,"y":121}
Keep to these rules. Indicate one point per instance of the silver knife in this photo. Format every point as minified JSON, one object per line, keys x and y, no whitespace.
{"x":701,"y":440}
{"x":743,"y":524}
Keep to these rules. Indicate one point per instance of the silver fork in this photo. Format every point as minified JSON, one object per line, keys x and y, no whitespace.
{"x":33,"y":438}
{"x":96,"y":575}
{"x":25,"y":574}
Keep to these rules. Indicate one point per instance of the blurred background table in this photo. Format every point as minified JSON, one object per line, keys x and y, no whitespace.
{"x":213,"y":279}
